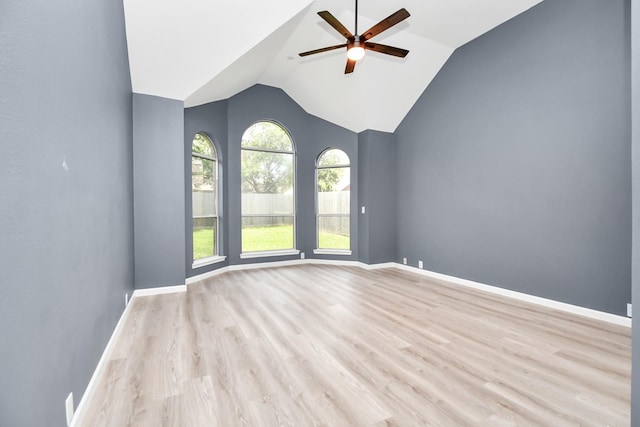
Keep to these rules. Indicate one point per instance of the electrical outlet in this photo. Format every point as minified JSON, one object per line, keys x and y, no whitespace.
{"x":404,"y":261}
{"x":68,"y":405}
{"x":420,"y":265}
{"x":301,"y":255}
{"x":126,"y":299}
{"x":628,"y":310}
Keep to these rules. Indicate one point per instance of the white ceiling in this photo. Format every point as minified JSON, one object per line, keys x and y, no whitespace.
{"x":200,"y":51}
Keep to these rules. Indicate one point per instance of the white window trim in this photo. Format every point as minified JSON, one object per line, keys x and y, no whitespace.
{"x":201,"y":262}
{"x":294,"y":154}
{"x":208,"y":261}
{"x":261,"y":254}
{"x":318,"y":215}
{"x":332,"y":252}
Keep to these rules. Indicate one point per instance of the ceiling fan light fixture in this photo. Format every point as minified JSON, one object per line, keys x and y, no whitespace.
{"x":355,"y":49}
{"x":355,"y":53}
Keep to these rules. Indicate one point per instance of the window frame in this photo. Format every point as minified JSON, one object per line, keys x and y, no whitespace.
{"x":318,"y":215}
{"x":294,"y":154}
{"x":216,"y":257}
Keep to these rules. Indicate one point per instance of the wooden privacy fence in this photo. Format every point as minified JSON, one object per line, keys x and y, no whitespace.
{"x":204,"y":203}
{"x":334,"y":202}
{"x":267,"y":204}
{"x":277,"y":209}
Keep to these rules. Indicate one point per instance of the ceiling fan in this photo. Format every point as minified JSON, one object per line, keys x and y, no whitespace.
{"x":357,"y":44}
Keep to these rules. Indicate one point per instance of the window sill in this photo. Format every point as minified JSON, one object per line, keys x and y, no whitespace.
{"x":207,"y":261}
{"x":343,"y":252}
{"x":261,"y":254}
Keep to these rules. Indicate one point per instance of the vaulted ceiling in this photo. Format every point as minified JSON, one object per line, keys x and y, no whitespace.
{"x":200,"y":51}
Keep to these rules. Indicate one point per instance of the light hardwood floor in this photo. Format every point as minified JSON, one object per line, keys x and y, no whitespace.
{"x":314,"y":345}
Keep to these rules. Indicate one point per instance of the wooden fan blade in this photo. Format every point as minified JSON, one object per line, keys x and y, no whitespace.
{"x":324,"y":49}
{"x":389,"y":50}
{"x":333,"y":21}
{"x":385,"y":24}
{"x":351,"y":64}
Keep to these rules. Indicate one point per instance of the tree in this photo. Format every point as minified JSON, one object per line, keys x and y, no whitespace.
{"x":328,"y":177}
{"x":267,"y":159}
{"x":266,"y":172}
{"x":202,"y":169}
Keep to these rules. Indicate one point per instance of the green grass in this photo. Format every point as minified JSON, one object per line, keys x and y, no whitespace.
{"x":333,"y":241}
{"x":203,"y":243}
{"x":264,"y":239}
{"x":267,"y":238}
{"x":281,"y":237}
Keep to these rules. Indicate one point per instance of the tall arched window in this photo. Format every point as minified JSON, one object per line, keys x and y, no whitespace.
{"x":204,"y":192}
{"x":268,"y":183}
{"x":333,"y":182}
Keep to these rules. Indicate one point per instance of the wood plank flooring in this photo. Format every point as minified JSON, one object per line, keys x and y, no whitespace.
{"x":315,"y":345}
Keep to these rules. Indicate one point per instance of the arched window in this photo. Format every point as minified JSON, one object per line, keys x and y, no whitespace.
{"x":268,"y":183}
{"x":333,"y":182}
{"x":204,"y":192}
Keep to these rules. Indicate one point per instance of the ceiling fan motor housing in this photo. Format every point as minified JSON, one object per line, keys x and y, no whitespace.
{"x":355,"y":42}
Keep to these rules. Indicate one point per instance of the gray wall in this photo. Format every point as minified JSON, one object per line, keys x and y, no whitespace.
{"x":158,"y":182}
{"x":210,"y":119}
{"x":513,"y":166}
{"x":318,"y":135}
{"x":364,"y":171}
{"x":377,"y":193}
{"x":66,"y":234}
{"x":635,"y":159}
{"x":225,"y":122}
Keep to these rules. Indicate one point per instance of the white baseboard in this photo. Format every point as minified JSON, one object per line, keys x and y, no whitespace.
{"x":159,"y":291}
{"x":570,"y":308}
{"x":379,"y":266}
{"x":90,"y":390}
{"x":238,"y":267}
